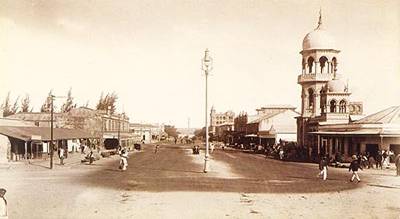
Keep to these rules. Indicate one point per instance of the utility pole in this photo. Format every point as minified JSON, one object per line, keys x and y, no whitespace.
{"x":119,"y":130}
{"x":51,"y":127}
{"x":51,"y":131}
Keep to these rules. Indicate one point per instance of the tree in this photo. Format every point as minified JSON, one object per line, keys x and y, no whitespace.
{"x":46,"y":107}
{"x":86,"y":104}
{"x":69,"y":103}
{"x":6,"y":106}
{"x":108,"y":101}
{"x":200,"y":133}
{"x":15,"y":107}
{"x":25,"y":104}
{"x":171,"y":131}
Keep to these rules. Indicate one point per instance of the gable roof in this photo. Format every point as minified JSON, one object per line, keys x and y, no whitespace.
{"x":390,"y":115}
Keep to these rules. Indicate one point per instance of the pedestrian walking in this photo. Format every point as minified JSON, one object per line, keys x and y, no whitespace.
{"x":281,"y":154}
{"x":385,"y":156}
{"x":354,"y":166}
{"x":3,"y":204}
{"x":123,"y":163}
{"x":156,"y":148}
{"x":323,"y":167}
{"x":62,"y":155}
{"x":397,"y":162}
{"x":378,"y":160}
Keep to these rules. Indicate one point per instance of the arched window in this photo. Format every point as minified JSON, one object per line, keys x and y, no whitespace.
{"x":334,"y":64}
{"x":310,"y":98}
{"x":323,"y":64}
{"x":310,"y":63}
{"x":332,"y":106}
{"x":342,"y":106}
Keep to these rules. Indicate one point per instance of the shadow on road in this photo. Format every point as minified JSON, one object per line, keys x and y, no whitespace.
{"x":171,"y":169}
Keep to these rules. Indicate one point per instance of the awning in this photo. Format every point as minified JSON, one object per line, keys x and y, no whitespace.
{"x":43,"y":133}
{"x":251,"y":135}
{"x":267,"y":136}
{"x":357,"y":132}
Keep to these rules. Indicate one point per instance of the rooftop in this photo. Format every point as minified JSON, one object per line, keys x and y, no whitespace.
{"x":390,"y":115}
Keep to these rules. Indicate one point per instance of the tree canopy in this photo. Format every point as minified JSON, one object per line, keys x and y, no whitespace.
{"x":46,"y":107}
{"x":8,"y":108}
{"x":69,"y":103}
{"x":171,"y":131}
{"x":108,"y":101}
{"x":25,"y":104}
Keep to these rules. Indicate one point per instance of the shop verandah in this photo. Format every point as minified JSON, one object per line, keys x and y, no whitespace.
{"x":20,"y":143}
{"x":352,"y":143}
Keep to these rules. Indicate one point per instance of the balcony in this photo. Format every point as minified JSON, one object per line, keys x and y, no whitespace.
{"x":303,"y":78}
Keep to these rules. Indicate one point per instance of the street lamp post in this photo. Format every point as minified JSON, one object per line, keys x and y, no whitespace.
{"x":52,"y":97}
{"x":206,"y":67}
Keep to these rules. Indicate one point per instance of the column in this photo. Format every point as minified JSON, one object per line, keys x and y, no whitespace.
{"x":26,"y":150}
{"x":316,"y":67}
{"x":362,"y":147}
{"x":317,"y":101}
{"x":336,"y":144}
{"x":328,"y":66}
{"x":346,"y":147}
{"x":319,"y":144}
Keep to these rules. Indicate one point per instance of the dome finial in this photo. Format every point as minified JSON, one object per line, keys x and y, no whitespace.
{"x":319,"y":19}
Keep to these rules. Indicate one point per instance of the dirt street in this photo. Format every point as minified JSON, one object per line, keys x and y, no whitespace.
{"x":171,"y":184}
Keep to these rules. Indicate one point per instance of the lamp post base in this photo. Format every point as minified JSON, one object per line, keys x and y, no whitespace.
{"x":206,"y":165}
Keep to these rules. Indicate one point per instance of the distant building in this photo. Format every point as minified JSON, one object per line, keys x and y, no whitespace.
{"x":221,"y":123}
{"x":269,"y":126}
{"x":146,"y":133}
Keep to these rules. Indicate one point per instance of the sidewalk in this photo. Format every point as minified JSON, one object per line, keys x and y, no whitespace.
{"x":44,"y":163}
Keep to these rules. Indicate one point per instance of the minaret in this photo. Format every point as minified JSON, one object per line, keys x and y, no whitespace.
{"x":318,"y":66}
{"x":319,"y":63}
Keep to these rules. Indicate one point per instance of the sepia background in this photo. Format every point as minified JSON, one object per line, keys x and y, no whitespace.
{"x":149,"y":52}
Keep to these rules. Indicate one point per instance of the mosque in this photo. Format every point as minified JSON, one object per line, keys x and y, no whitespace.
{"x":330,"y":122}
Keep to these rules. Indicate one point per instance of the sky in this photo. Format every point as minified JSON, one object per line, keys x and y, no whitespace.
{"x":149,"y":53}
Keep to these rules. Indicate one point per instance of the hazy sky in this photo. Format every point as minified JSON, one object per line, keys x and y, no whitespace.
{"x":149,"y":52}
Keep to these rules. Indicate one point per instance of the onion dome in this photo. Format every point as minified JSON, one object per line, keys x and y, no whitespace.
{"x":336,"y":85}
{"x":319,"y":38}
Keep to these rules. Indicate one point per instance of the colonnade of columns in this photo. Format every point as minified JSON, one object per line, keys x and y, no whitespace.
{"x":316,"y":67}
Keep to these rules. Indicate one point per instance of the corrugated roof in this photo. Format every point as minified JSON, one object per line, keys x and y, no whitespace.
{"x":30,"y":116}
{"x":26,"y":133}
{"x":278,"y":106}
{"x":390,"y":115}
{"x":265,"y":116}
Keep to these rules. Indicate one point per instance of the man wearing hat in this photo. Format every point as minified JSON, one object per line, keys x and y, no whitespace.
{"x":323,"y":167}
{"x":3,"y":204}
{"x":354,"y":166}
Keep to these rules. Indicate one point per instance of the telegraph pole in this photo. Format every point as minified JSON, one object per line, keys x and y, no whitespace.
{"x":51,"y":131}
